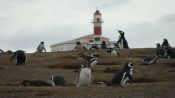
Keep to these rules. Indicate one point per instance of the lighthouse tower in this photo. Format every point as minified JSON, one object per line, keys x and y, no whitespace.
{"x":94,"y":39}
{"x":97,"y":21}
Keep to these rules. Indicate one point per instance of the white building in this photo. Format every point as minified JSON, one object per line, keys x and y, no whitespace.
{"x":88,"y":40}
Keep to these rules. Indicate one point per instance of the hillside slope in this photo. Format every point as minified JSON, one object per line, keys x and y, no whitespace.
{"x":150,"y":81}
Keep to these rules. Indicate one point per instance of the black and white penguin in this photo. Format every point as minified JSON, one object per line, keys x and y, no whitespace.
{"x":94,"y":47}
{"x":1,"y":50}
{"x":41,"y":47}
{"x":124,"y":76}
{"x":84,"y":76}
{"x":20,"y":57}
{"x":57,"y":80}
{"x":122,"y":42}
{"x":161,"y":51}
{"x":92,"y":59}
{"x":150,"y":60}
{"x":165,"y":44}
{"x":35,"y":83}
{"x":112,"y":51}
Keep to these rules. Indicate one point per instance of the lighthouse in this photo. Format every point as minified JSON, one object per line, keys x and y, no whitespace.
{"x":94,"y":38}
{"x":97,"y":22}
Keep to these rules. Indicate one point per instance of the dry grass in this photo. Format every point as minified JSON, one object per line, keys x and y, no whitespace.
{"x":150,"y":81}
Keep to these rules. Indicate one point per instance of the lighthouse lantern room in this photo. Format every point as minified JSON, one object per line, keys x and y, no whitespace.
{"x":97,"y":21}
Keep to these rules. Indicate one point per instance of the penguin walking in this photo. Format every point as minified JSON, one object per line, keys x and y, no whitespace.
{"x":122,"y":42}
{"x":150,"y":60}
{"x":20,"y":57}
{"x":84,"y":76}
{"x":112,"y":51}
{"x":124,"y":76}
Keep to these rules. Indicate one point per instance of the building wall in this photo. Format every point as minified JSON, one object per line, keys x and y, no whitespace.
{"x":63,"y":47}
{"x":71,"y":46}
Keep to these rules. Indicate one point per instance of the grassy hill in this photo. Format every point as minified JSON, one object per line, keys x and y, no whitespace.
{"x":150,"y":81}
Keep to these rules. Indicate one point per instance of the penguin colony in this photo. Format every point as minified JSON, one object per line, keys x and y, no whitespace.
{"x":84,"y":73}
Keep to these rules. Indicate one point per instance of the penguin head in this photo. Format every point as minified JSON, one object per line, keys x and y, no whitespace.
{"x":158,"y":45}
{"x":165,"y":40}
{"x":121,"y":32}
{"x":96,"y":55}
{"x":128,"y":66}
{"x":42,"y":42}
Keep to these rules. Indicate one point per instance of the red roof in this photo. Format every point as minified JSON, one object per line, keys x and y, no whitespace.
{"x":91,"y":36}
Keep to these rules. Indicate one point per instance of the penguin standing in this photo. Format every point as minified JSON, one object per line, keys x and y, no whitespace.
{"x":92,"y":60}
{"x":84,"y":76}
{"x":165,"y":44}
{"x":124,"y":76}
{"x":41,"y":47}
{"x":112,"y":51}
{"x":161,"y":51}
{"x":20,"y":57}
{"x":122,"y":42}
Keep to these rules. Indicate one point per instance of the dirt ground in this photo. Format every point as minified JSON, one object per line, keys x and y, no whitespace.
{"x":150,"y":81}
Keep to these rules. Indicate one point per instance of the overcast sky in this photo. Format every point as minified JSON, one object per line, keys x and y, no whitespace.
{"x":25,"y":23}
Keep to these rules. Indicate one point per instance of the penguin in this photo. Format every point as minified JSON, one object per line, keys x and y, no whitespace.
{"x":34,"y":83}
{"x":20,"y":57}
{"x":122,"y":42}
{"x":94,"y":47}
{"x":84,"y":76}
{"x":57,"y":80}
{"x":112,"y":51}
{"x":165,"y":44}
{"x":92,"y":60}
{"x":1,"y":50}
{"x":161,"y":51}
{"x":41,"y":47}
{"x":124,"y":76}
{"x":149,"y":61}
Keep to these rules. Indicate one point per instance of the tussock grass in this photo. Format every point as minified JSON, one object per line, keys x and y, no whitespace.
{"x":111,"y":70}
{"x":145,"y":80}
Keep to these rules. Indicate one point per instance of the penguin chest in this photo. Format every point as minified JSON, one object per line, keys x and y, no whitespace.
{"x":113,"y":52}
{"x":121,"y":44}
{"x":93,"y":63}
{"x":84,"y":77}
{"x":124,"y":80}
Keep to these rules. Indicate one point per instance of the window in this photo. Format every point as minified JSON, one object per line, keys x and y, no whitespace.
{"x":90,"y":40}
{"x":97,"y":38}
{"x":98,"y":20}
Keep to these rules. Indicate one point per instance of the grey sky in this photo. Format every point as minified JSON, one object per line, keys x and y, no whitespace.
{"x":24,"y":23}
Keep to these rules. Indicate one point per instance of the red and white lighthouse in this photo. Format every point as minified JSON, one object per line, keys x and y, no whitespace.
{"x":97,"y":21}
